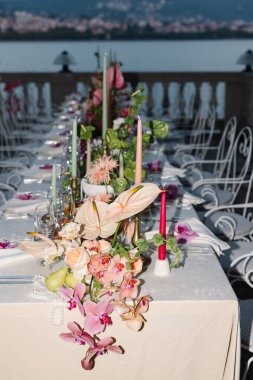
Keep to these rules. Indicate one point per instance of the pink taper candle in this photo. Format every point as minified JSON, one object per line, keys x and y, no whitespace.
{"x":162,"y":248}
{"x":138,"y":161}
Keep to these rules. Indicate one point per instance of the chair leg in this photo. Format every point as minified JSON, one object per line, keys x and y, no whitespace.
{"x":247,"y":368}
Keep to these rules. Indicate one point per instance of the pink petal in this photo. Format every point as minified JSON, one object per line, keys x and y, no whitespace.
{"x":101,"y":307}
{"x":143,"y":304}
{"x":65,"y":293}
{"x":134,"y":325}
{"x":80,"y":307}
{"x":110,"y":76}
{"x":105,"y":342}
{"x":79,"y":290}
{"x":68,"y":337}
{"x":75,"y":328}
{"x":115,"y":349}
{"x":87,"y":364}
{"x":90,"y":307}
{"x":119,"y":78}
{"x":93,"y":325}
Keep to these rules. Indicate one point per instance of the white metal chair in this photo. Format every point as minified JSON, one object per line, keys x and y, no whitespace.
{"x":200,"y":138}
{"x":197,"y":169}
{"x":223,"y":191}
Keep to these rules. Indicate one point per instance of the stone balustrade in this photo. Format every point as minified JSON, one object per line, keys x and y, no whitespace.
{"x":173,"y":95}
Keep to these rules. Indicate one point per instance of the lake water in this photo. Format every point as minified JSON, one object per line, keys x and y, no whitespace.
{"x":207,"y":55}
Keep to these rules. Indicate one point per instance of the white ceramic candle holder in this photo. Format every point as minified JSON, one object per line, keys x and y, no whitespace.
{"x":161,"y":268}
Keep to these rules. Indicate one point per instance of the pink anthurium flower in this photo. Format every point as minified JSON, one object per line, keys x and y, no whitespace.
{"x":73,"y":296}
{"x":97,"y":316}
{"x":77,"y":335}
{"x":129,"y":287}
{"x":93,"y":215}
{"x":184,"y":233}
{"x":97,"y":97}
{"x":104,"y":346}
{"x":115,"y":77}
{"x":132,"y":315}
{"x":132,"y":201}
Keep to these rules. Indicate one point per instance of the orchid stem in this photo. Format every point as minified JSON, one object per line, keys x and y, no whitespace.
{"x":115,"y":235}
{"x":91,"y":288}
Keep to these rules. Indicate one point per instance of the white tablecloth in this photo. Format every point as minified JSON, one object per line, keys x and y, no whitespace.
{"x":191,"y":331}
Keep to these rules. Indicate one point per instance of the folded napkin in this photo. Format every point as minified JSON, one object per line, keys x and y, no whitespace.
{"x":50,"y":151}
{"x":19,"y":206}
{"x":35,"y":172}
{"x":171,"y":171}
{"x":12,"y":255}
{"x":205,"y":236}
{"x":190,"y":199}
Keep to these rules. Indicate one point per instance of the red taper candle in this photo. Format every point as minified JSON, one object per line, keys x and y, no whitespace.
{"x":162,"y":248}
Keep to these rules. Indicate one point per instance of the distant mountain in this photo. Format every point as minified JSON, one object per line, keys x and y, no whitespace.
{"x":122,"y":9}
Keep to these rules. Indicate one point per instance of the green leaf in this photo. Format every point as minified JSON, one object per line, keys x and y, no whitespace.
{"x":158,"y":239}
{"x":160,"y":129}
{"x":120,"y":184}
{"x":142,"y":245}
{"x":85,"y":132}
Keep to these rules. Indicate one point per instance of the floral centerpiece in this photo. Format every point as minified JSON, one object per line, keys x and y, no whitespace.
{"x":100,"y":275}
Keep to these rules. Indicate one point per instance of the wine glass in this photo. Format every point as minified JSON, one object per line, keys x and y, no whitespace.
{"x":44,"y":220}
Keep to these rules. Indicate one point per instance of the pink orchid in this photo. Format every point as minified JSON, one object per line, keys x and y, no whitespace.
{"x":136,"y":266}
{"x":102,"y":347}
{"x":115,"y":77}
{"x":97,"y":316}
{"x":93,"y":215}
{"x":26,"y":196}
{"x":115,"y":271}
{"x":77,"y":335}
{"x":133,"y":316}
{"x":184,"y":233}
{"x":97,"y":97}
{"x":91,"y":245}
{"x":132,"y":201}
{"x":73,"y":296}
{"x":98,"y":265}
{"x":129,"y":287}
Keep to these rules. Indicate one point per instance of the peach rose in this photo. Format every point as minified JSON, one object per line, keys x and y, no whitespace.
{"x":77,"y":259}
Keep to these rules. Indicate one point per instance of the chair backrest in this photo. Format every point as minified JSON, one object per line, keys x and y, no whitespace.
{"x":202,"y":132}
{"x":237,"y":167}
{"x":225,"y":147}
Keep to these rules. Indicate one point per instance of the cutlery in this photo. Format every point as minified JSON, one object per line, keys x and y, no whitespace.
{"x":14,"y":282}
{"x":16,"y":277}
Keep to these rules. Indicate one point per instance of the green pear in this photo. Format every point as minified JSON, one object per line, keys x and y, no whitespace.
{"x":71,"y":281}
{"x":56,"y":279}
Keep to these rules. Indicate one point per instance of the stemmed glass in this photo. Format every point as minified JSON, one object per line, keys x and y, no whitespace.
{"x":44,"y":220}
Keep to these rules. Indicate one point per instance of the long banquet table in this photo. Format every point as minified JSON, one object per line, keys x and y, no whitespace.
{"x":192,"y":330}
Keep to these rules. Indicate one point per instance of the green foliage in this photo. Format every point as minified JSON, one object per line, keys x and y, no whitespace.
{"x":142,"y":245}
{"x":159,"y":128}
{"x":96,"y":286}
{"x":120,"y":184}
{"x":158,"y":239}
{"x":85,"y":132}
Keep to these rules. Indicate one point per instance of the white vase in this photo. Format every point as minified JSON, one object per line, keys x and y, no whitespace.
{"x":89,"y":190}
